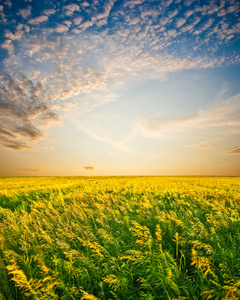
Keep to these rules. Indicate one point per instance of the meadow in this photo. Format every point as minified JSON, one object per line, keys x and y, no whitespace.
{"x":119,"y":238}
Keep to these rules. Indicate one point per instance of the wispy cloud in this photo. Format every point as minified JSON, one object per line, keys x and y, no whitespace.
{"x":60,"y":28}
{"x":224,"y":115}
{"x":8,"y":45}
{"x":28,"y":170}
{"x":89,"y":168}
{"x":38,"y":20}
{"x":70,"y":9}
{"x":235,"y":150}
{"x":25,"y":12}
{"x":94,"y":126}
{"x":2,"y":15}
{"x":13,"y":144}
{"x":180,"y":22}
{"x":204,"y":145}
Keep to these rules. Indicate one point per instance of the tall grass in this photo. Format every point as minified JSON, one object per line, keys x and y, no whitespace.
{"x":119,"y":238}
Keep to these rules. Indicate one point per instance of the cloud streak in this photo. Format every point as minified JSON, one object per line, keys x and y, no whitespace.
{"x":235,"y":150}
{"x":224,"y":115}
{"x":28,"y":170}
{"x":204,"y":145}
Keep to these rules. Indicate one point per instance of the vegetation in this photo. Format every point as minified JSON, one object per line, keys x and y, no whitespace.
{"x":120,"y":238}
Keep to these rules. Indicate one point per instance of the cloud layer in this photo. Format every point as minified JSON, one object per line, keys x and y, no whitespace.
{"x":53,"y":54}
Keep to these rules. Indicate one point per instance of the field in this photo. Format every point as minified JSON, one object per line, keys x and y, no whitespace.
{"x":120,"y":238}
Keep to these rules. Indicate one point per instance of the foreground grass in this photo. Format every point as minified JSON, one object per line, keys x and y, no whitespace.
{"x":119,"y":238}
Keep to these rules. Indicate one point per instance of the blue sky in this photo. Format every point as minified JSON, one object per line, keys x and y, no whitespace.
{"x":124,"y":87}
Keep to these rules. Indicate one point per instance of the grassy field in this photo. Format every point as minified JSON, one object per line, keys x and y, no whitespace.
{"x":120,"y":238}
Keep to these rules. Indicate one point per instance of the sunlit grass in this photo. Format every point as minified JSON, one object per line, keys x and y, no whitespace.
{"x":120,"y":238}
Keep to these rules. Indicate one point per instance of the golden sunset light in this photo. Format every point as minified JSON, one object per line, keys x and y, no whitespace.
{"x":130,"y":87}
{"x":119,"y":149}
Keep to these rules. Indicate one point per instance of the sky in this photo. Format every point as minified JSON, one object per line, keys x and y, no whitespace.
{"x":119,"y":87}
